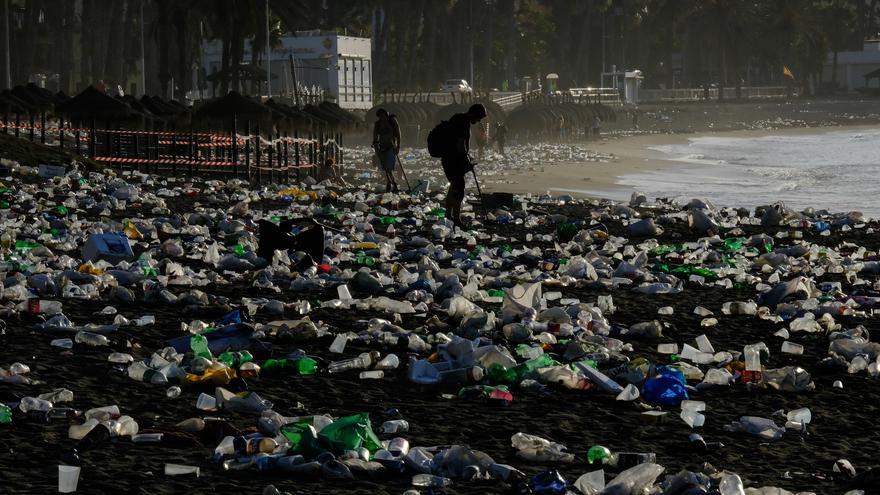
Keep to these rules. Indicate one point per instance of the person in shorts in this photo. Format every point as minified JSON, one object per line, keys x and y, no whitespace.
{"x":386,"y":142}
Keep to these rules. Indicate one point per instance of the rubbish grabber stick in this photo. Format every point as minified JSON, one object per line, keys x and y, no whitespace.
{"x":482,"y":203}
{"x":403,"y":171}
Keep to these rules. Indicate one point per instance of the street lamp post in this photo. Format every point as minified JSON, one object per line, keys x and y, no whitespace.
{"x":268,"y":56}
{"x":6,"y":18}
{"x":143,"y":58}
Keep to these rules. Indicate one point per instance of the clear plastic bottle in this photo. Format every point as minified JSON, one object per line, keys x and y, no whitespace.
{"x":395,"y":426}
{"x":389,"y":362}
{"x":92,"y":339}
{"x":34,"y":404}
{"x":427,"y":480}
{"x":364,"y":360}
{"x":141,"y":372}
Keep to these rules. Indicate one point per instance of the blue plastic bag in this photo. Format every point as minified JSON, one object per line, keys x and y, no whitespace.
{"x":665,"y":390}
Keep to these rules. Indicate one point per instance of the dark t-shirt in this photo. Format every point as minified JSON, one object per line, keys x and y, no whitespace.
{"x":462,"y":125}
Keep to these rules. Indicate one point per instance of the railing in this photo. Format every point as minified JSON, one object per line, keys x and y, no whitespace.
{"x":448,"y":98}
{"x":605,"y":96}
{"x":697,"y":94}
{"x":509,"y":102}
{"x":251,"y":156}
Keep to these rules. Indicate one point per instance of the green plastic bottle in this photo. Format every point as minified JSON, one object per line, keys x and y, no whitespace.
{"x":235,"y":359}
{"x":388,"y":220}
{"x":733,"y":243}
{"x":5,"y":414}
{"x":566,"y":232}
{"x":239,"y":250}
{"x":499,"y":374}
{"x":306,"y":366}
{"x":199,"y":346}
{"x":598,"y":453}
{"x":26,"y":245}
{"x":303,"y":366}
{"x":274,"y":364}
{"x":363,"y":259}
{"x":495,"y":293}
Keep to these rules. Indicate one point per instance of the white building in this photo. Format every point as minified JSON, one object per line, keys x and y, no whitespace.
{"x":340,"y":65}
{"x":852,"y":66}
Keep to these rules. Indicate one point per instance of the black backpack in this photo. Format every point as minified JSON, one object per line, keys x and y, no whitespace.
{"x":441,"y":140}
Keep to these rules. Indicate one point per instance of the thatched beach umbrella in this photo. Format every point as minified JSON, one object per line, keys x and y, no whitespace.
{"x":94,"y":104}
{"x":60,"y":97}
{"x":9,"y":104}
{"x":33,"y":96}
{"x":233,"y":104}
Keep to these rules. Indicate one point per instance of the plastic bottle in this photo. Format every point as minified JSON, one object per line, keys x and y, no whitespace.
{"x":598,"y":453}
{"x":62,"y":343}
{"x":141,"y":372}
{"x":235,"y":359}
{"x":120,"y":357}
{"x":389,"y":362}
{"x":364,"y":360}
{"x":199,"y":346}
{"x":395,"y":426}
{"x":427,"y":480}
{"x":398,"y":447}
{"x":34,"y":404}
{"x":92,"y":339}
{"x":5,"y":414}
{"x":462,"y":375}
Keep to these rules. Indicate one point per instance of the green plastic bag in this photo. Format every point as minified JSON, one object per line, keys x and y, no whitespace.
{"x":350,"y":433}
{"x":302,"y":438}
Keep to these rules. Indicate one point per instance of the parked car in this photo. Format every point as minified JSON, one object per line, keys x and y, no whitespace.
{"x":456,"y":86}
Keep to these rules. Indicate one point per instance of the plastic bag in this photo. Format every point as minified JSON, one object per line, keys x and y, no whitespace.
{"x":665,"y":389}
{"x":635,"y":480}
{"x":350,"y":433}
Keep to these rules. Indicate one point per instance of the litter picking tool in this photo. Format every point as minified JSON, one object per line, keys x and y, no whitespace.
{"x":403,"y":171}
{"x":482,"y":203}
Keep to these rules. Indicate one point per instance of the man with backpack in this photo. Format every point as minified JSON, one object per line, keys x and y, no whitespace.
{"x":450,"y":141}
{"x":386,"y":142}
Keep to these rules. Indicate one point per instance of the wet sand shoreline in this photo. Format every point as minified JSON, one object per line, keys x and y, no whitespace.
{"x":631,"y":155}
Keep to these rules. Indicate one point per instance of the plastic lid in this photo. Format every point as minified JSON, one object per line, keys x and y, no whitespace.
{"x":476,"y":373}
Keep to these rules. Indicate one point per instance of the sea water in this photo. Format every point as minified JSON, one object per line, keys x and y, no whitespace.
{"x":837,"y":171}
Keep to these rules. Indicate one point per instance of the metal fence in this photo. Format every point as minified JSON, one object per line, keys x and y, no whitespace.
{"x":251,"y":155}
{"x":698,"y":94}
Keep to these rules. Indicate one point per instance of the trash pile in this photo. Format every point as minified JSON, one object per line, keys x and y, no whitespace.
{"x":309,"y":334}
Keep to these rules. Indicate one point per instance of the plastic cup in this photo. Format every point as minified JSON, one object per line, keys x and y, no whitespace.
{"x":68,"y":478}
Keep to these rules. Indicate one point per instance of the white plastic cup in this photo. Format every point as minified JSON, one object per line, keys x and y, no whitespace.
{"x":68,"y":478}
{"x":792,"y":348}
{"x":344,"y":294}
{"x":338,"y":344}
